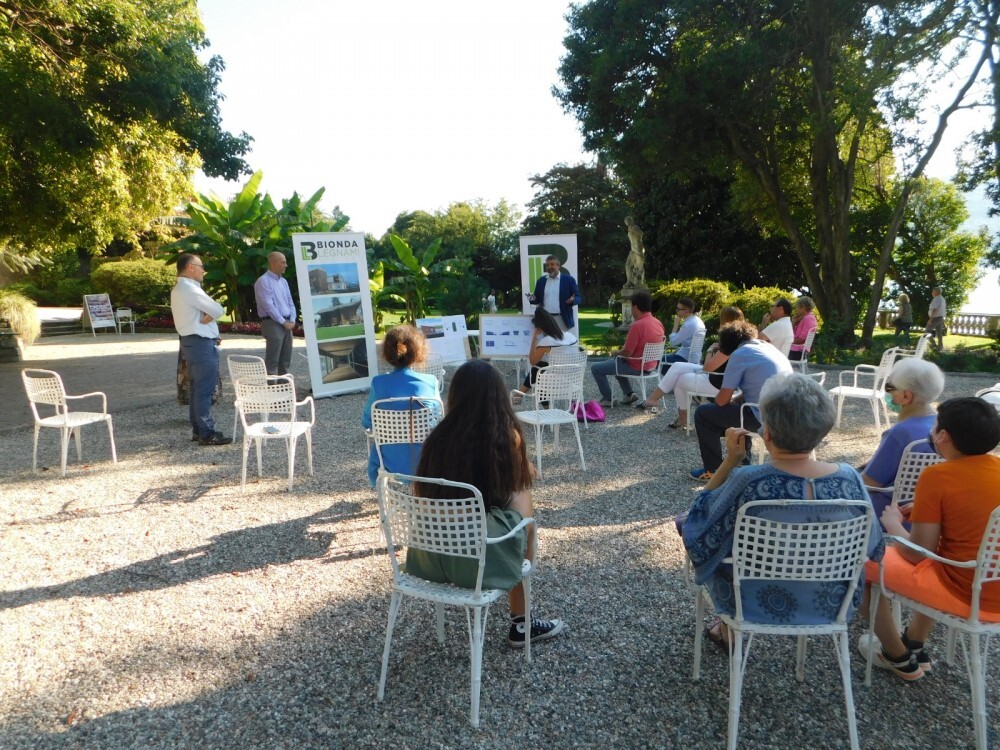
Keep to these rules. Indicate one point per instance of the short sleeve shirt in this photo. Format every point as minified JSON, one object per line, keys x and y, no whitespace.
{"x":751,"y":365}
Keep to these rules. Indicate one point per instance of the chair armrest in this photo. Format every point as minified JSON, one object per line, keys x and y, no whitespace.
{"x":931,"y":555}
{"x":312,"y":408}
{"x":850,"y":373}
{"x":104,"y":399}
{"x":617,"y":360}
{"x":525,"y":522}
{"x":887,"y":490}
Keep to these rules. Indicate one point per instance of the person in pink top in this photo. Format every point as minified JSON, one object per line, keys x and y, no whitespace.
{"x":803,"y":321}
{"x":645,"y":329}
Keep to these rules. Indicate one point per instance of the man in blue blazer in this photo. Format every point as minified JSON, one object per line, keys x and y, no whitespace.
{"x":556,"y":292}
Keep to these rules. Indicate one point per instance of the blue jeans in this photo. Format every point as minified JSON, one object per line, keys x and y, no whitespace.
{"x":604,"y":370}
{"x":202,"y":357}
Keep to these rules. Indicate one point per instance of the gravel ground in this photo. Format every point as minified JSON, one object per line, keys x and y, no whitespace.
{"x":153,"y":604}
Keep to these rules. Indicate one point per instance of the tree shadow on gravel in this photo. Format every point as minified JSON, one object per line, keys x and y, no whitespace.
{"x":233,"y":552}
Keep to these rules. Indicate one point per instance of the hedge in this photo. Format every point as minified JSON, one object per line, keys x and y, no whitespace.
{"x":135,"y":283}
{"x":709,"y":297}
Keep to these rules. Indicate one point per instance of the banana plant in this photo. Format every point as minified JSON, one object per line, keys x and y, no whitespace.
{"x":417,"y":279}
{"x":381,"y":293}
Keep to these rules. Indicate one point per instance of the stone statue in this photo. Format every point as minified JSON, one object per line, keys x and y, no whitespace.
{"x":635,"y":273}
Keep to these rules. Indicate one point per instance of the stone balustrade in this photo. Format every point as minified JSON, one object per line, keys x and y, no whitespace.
{"x":962,"y":324}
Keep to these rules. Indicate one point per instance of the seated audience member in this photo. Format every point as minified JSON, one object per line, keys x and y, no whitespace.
{"x":911,"y":389}
{"x":546,"y":336}
{"x":749,"y":367}
{"x":481,"y":428}
{"x":803,"y":321}
{"x":686,"y":324}
{"x":645,"y":329}
{"x":952,"y":506}
{"x":796,"y":413}
{"x":683,"y":378}
{"x":776,"y":326}
{"x":403,"y":346}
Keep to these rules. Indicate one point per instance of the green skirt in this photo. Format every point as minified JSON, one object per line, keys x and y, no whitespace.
{"x":503,"y":560}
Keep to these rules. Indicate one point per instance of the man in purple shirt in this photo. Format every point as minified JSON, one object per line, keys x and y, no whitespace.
{"x":277,"y":314}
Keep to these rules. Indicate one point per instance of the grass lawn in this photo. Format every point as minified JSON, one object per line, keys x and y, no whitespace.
{"x":340,"y":332}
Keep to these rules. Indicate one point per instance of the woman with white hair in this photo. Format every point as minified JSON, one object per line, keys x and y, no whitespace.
{"x":911,"y":389}
{"x":796,"y":413}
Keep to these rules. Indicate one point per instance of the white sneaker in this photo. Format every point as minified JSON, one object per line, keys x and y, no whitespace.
{"x":869,"y":643}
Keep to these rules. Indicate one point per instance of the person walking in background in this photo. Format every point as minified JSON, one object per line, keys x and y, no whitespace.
{"x":277,"y":314}
{"x":556,"y":292}
{"x":935,"y":316}
{"x":195,"y":315}
{"x":491,"y":301}
{"x":904,"y":318}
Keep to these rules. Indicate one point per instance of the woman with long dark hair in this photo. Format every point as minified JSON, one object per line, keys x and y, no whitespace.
{"x":547,"y":336}
{"x":480,"y":442}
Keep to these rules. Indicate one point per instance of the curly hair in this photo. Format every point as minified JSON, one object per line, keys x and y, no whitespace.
{"x":479,"y":441}
{"x":734,"y":334}
{"x":404,"y":346}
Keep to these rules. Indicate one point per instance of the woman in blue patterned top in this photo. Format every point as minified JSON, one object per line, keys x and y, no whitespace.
{"x":796,"y":413}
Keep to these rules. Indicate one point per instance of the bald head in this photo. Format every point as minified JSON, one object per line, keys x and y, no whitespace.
{"x":276,"y":262}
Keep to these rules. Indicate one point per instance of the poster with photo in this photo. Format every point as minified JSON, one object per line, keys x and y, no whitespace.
{"x":447,"y":336}
{"x":332,"y":273}
{"x":534,"y":250}
{"x":98,"y":313}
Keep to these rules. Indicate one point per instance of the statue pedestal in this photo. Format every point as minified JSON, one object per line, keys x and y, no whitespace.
{"x":627,"y":292}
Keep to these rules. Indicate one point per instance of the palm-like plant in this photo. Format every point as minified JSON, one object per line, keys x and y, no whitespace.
{"x":417,"y":279}
{"x":381,"y":293}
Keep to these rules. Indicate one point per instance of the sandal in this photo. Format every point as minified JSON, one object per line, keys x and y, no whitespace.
{"x":674,"y":425}
{"x":716,"y":636}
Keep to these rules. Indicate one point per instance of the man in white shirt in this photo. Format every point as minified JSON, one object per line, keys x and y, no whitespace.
{"x":195,"y":314}
{"x":557,"y":293}
{"x":686,"y":325}
{"x":776,"y":326}
{"x":935,"y":316}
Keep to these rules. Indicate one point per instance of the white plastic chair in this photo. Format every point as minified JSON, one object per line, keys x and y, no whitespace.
{"x":911,"y":463}
{"x":651,"y":354}
{"x":990,"y":395}
{"x":433,"y":365}
{"x":403,"y":420}
{"x":921,"y":349}
{"x":572,"y":355}
{"x":807,"y":345}
{"x":124,"y":317}
{"x":454,"y":527}
{"x":875,"y":395}
{"x":46,"y":387}
{"x":987,"y":572}
{"x":774,"y":550}
{"x":258,"y":404}
{"x":241,"y":367}
{"x":555,"y":384}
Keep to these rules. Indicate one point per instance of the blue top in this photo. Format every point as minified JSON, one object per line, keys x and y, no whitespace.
{"x":708,"y":536}
{"x":400,"y":382}
{"x":682,"y":339}
{"x":750,"y":366}
{"x":884,"y":464}
{"x":567,"y":288}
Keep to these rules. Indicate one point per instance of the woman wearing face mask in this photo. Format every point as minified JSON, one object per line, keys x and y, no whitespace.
{"x":911,"y":389}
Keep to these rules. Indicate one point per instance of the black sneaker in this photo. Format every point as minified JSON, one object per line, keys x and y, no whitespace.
{"x":195,"y":437}
{"x":541,"y":630}
{"x":917,"y":647}
{"x":216,"y":438}
{"x":906,"y":668}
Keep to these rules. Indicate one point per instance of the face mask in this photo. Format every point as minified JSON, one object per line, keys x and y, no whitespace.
{"x":930,"y":439}
{"x":893,"y":406}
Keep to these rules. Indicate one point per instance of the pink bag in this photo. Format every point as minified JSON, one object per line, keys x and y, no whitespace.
{"x":591,"y":409}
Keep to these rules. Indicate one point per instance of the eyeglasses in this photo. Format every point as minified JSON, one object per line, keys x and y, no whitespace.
{"x":890,"y":388}
{"x":681,"y":309}
{"x":197,"y":265}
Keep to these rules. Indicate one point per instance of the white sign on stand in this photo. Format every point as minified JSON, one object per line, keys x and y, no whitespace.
{"x":332,"y":272}
{"x":447,"y":336}
{"x":98,"y":312}
{"x":505,"y":336}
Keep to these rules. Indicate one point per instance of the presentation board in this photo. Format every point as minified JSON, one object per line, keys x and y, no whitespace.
{"x":332,"y":273}
{"x":97,"y":311}
{"x":504,"y":336}
{"x":447,"y":336}
{"x":534,"y":250}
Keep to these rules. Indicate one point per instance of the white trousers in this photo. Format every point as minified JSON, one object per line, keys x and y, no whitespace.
{"x":692,"y":382}
{"x":669,"y":381}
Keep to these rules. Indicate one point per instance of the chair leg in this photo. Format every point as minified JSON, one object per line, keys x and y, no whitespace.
{"x":260,"y":466}
{"x":583,"y":463}
{"x":699,"y":616}
{"x":737,"y":667}
{"x":476,"y":647}
{"x":246,"y":455}
{"x":79,"y":442}
{"x":538,"y":447}
{"x":802,"y":643}
{"x":876,"y":410}
{"x":34,"y":453}
{"x":977,"y":680}
{"x":292,"y":442}
{"x":309,"y":449}
{"x":526,"y":585}
{"x":439,"y":621}
{"x":111,"y":438}
{"x":874,"y":595}
{"x":393,"y":612}
{"x":840,"y":408}
{"x":949,"y":654}
{"x":64,"y":447}
{"x":840,"y":641}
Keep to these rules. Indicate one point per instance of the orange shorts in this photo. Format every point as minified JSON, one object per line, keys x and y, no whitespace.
{"x":924,"y":582}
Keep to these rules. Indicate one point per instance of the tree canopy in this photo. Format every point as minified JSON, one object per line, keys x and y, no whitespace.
{"x":803,"y":96}
{"x":107,"y":111}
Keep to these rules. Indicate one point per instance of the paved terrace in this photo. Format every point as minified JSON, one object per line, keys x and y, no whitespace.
{"x":153,"y":604}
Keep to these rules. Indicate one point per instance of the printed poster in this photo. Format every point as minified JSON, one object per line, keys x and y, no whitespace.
{"x":98,"y":312}
{"x":505,"y":336}
{"x":447,"y":336}
{"x":332,"y":272}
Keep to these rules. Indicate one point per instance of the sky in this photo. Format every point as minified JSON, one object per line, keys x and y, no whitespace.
{"x":396,"y":107}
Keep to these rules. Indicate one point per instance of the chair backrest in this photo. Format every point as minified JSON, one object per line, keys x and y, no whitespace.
{"x":404,"y":420}
{"x":766,"y":547}
{"x":916,"y":457}
{"x":265,"y":399}
{"x":432,"y":365}
{"x":988,"y":560}
{"x":807,"y":345}
{"x":124,"y":314}
{"x":559,"y":382}
{"x":922,"y":343}
{"x":566,"y":355}
{"x":990,"y":395}
{"x":242,"y":366}
{"x":652,"y":354}
{"x":697,"y":344}
{"x":44,"y":387}
{"x":455,"y":526}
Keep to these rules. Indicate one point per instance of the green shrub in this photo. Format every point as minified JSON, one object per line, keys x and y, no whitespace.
{"x":135,"y":283}
{"x":758,"y":300}
{"x":709,"y":297}
{"x":21,"y":313}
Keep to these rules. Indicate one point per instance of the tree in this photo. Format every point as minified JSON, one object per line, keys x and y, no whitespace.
{"x":417,"y":277}
{"x":590,"y":202}
{"x":107,"y":112}
{"x":791,"y":92}
{"x":932,"y":250}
